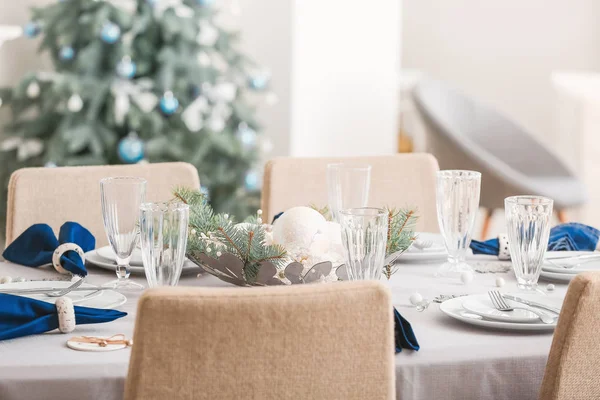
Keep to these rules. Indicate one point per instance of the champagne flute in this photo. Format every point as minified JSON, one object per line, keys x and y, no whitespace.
{"x":347,"y":187}
{"x":121,"y":200}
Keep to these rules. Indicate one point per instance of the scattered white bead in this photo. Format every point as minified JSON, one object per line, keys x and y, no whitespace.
{"x":550,"y":287}
{"x":19,"y":279}
{"x":193,"y":231}
{"x":259,"y":212}
{"x":415,"y":298}
{"x":226,"y":215}
{"x":466,"y":277}
{"x":259,"y":220}
{"x":198,"y":276}
{"x":218,"y":254}
{"x":6,"y":279}
{"x":500,"y":282}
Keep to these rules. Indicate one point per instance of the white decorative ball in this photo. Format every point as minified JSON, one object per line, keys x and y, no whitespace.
{"x":75,"y":103}
{"x":5,"y":279}
{"x":550,"y":287}
{"x":415,"y":298}
{"x":466,"y":277}
{"x":33,"y":90}
{"x":500,"y":282}
{"x":297,"y":228}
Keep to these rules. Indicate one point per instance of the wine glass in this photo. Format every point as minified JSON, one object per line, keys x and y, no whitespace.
{"x":347,"y":186}
{"x":121,"y":200}
{"x":457,"y":206}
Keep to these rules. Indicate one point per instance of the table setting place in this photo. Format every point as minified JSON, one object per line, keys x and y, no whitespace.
{"x":492,"y":286}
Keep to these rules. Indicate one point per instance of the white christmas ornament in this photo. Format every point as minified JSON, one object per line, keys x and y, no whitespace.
{"x":146,"y":101}
{"x":207,"y":35}
{"x":216,"y":124}
{"x":33,"y":90}
{"x":225,"y":91}
{"x":192,"y":118}
{"x":122,"y":106}
{"x":297,"y":227}
{"x":75,"y":103}
{"x":415,"y":298}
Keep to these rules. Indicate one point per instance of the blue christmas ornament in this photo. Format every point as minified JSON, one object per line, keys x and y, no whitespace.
{"x":252,"y":181}
{"x":205,"y":3}
{"x":204,"y":190}
{"x":110,"y":33}
{"x":126,"y":68}
{"x":259,"y":82}
{"x":247,"y":136}
{"x":168,"y":103}
{"x":131,"y":149}
{"x":66,"y":53}
{"x":31,"y":29}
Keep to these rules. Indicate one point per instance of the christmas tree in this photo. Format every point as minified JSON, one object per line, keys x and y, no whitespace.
{"x":140,"y":81}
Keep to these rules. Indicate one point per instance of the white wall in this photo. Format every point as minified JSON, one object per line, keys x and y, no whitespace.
{"x":503,"y":51}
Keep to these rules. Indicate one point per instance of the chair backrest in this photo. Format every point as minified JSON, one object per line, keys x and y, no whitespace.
{"x":56,"y":195}
{"x":321,"y":341}
{"x":572,"y":370}
{"x":396,"y":181}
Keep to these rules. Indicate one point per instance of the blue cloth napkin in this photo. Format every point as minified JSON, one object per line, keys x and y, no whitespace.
{"x":403,"y":334}
{"x":565,"y":237}
{"x":35,"y":246}
{"x":22,"y":316}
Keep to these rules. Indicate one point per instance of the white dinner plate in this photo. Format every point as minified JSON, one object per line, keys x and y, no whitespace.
{"x":95,"y":299}
{"x":92,"y":258}
{"x":481,"y":304}
{"x":437,"y":252}
{"x":454,"y":309}
{"x":108,"y":254}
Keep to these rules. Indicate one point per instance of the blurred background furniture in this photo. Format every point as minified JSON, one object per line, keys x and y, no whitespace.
{"x":300,"y":342}
{"x":464,"y":134}
{"x":396,"y":181}
{"x":572,"y":370}
{"x":56,"y":195}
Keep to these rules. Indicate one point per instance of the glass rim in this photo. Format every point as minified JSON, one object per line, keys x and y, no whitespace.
{"x":356,"y":166}
{"x":121,"y":179}
{"x":454,"y":172}
{"x":353,"y":211}
{"x":168,"y":206}
{"x":527,"y":199}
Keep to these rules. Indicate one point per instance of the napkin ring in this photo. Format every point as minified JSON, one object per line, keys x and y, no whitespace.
{"x":62,"y":249}
{"x":503,"y":248}
{"x":66,"y":314}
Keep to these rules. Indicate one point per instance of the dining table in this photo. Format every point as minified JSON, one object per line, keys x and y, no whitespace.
{"x":455,"y":360}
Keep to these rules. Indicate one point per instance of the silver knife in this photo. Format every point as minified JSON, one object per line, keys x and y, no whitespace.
{"x":531,"y":303}
{"x":50,"y":290}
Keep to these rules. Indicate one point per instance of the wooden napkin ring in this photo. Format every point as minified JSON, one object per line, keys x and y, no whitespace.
{"x":62,"y":249}
{"x":66,"y":314}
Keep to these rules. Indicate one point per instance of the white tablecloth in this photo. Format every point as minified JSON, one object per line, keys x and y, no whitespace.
{"x":456,"y":361}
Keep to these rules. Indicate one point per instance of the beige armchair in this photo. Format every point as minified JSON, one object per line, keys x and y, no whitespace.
{"x":56,"y":195}
{"x":572,"y":370}
{"x":322,"y":341}
{"x":396,"y":181}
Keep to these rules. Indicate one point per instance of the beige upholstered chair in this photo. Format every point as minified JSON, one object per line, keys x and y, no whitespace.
{"x":322,"y":341}
{"x":396,"y":181}
{"x":573,"y":370}
{"x":56,"y":195}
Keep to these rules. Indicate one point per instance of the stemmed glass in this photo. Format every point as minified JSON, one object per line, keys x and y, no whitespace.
{"x":347,"y":187}
{"x":457,"y":205}
{"x":121,"y":200}
{"x":528,"y":222}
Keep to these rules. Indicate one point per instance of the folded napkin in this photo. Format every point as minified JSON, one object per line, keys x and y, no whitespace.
{"x":22,"y":316}
{"x":35,"y":246}
{"x":403,"y":334}
{"x":565,"y":237}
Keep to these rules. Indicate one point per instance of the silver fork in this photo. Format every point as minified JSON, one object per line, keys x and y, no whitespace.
{"x":52,"y":292}
{"x":66,"y":290}
{"x":501,"y":305}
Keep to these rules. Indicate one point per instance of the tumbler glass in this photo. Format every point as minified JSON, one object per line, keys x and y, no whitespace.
{"x":121,"y":198}
{"x":364,"y":236}
{"x":528,"y":223}
{"x":163,"y":239}
{"x":457,"y":206}
{"x":347,"y":187}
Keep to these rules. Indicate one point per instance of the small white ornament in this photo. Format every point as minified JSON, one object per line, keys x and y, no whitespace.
{"x":216,"y":124}
{"x":122,"y":106}
{"x":6,"y":279}
{"x":259,"y":212}
{"x":226,"y":215}
{"x":500,"y":282}
{"x":207,"y":35}
{"x":33,"y":90}
{"x":550,"y":287}
{"x":415,"y":298}
{"x":297,"y":227}
{"x":75,"y":103}
{"x":218,"y":254}
{"x":193,"y":231}
{"x":466,"y":277}
{"x":66,"y":314}
{"x":225,"y":91}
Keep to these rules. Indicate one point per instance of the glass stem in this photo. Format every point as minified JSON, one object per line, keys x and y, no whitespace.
{"x":122,"y":269}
